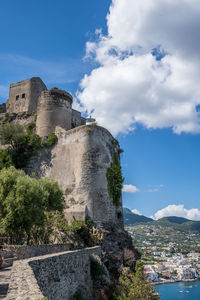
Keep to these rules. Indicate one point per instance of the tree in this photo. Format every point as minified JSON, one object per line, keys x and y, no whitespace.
{"x":134,"y":286}
{"x":12,"y":134}
{"x":5,"y":159}
{"x":24,"y":203}
{"x":21,"y":141}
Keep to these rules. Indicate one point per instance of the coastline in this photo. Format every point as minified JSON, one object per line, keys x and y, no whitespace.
{"x":173,"y":281}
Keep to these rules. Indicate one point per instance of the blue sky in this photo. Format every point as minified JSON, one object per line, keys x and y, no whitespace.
{"x":102,"y":54}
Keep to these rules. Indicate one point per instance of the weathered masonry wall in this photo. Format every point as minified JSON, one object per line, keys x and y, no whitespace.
{"x":79,"y":162}
{"x":54,"y":109}
{"x":23,"y":95}
{"x":53,"y":276}
{"x":24,"y":252}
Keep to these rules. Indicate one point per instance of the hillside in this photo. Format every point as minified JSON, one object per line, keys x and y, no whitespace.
{"x":173,"y":222}
{"x":178,"y":223}
{"x":176,"y":233}
{"x":173,"y":219}
{"x":130,"y":218}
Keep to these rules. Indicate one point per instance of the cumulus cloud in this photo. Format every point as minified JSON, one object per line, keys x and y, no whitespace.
{"x":129,"y":188}
{"x":155,"y":189}
{"x":137,"y":212}
{"x":178,"y":211}
{"x":148,"y":67}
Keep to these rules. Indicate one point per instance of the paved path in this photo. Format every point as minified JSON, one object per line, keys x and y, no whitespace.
{"x":4,"y":281}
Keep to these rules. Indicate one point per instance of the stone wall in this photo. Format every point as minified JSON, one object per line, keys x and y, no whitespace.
{"x":76,"y":118}
{"x":79,"y":162}
{"x":24,"y":251}
{"x":53,"y":276}
{"x":23,"y":95}
{"x":54,"y":109}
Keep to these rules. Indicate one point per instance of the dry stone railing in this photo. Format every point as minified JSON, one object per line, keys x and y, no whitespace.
{"x":55,"y":276}
{"x":26,"y":251}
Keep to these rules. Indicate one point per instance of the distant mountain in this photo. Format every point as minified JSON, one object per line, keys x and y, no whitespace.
{"x":131,"y":219}
{"x":179,"y":223}
{"x":173,"y":219}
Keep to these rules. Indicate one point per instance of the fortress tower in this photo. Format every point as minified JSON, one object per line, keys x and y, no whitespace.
{"x":23,"y":95}
{"x":81,"y":157}
{"x":54,"y":109}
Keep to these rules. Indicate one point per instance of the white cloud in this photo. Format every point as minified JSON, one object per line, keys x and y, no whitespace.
{"x":129,"y":188}
{"x":178,"y":211}
{"x":130,"y":85}
{"x":137,"y":212}
{"x":153,"y":190}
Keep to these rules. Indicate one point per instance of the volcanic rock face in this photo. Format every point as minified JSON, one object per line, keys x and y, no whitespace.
{"x":79,"y":162}
{"x":118,"y":251}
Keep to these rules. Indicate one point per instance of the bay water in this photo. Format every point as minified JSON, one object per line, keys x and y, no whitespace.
{"x":179,"y":291}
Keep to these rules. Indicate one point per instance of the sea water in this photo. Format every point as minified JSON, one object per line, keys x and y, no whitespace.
{"x":179,"y":290}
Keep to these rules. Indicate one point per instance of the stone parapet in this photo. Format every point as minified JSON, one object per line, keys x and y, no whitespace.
{"x":55,"y":276}
{"x":25,"y":251}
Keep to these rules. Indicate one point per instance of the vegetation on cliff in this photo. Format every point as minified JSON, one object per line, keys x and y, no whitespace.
{"x":79,"y":233}
{"x":25,"y":203}
{"x":134,"y":286}
{"x":115,"y":180}
{"x":21,"y":142}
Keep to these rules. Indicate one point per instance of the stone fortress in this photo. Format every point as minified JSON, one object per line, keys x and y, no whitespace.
{"x":54,"y":106}
{"x":81,"y":157}
{"x":78,"y":162}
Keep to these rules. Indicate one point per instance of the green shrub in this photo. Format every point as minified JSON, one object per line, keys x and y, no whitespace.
{"x":88,"y":129}
{"x":50,"y":141}
{"x":12,"y":134}
{"x":119,"y":214}
{"x":78,"y":296}
{"x":96,"y":269}
{"x":22,"y":142}
{"x":89,"y":222}
{"x":5,"y":159}
{"x":115,"y":180}
{"x":24,"y":202}
{"x":31,"y":127}
{"x":115,"y":142}
{"x":134,"y":286}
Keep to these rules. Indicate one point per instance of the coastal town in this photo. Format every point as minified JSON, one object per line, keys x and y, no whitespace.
{"x":169,"y":255}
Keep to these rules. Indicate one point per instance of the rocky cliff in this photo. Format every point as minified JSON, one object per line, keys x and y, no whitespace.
{"x":79,"y":162}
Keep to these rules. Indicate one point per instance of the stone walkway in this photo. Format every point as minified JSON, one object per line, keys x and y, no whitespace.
{"x":4,"y":281}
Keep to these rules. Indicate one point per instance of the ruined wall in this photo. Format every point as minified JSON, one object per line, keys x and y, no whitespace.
{"x":23,"y":95}
{"x":79,"y":163}
{"x":56,"y":276}
{"x":54,"y":109}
